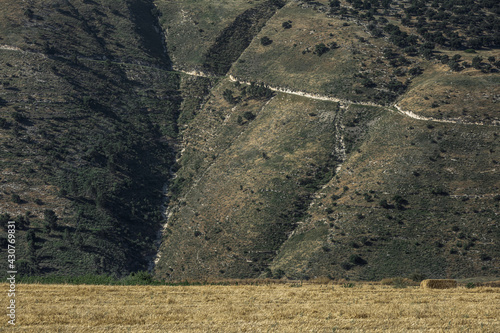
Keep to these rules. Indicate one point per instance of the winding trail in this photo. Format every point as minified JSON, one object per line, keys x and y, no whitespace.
{"x":320,"y":97}
{"x":348,"y":102}
{"x":344,"y":102}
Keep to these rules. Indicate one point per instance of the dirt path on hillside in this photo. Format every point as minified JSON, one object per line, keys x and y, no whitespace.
{"x":286,"y":91}
{"x":394,"y":107}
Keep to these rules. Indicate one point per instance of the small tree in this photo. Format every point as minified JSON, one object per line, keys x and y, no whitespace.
{"x":287,"y":24}
{"x":4,"y":219}
{"x":239,"y":120}
{"x":321,"y":49}
{"x":454,"y":66}
{"x":414,"y":71}
{"x":50,"y":219}
{"x":426,"y":53}
{"x":368,"y":83}
{"x":334,"y":3}
{"x":31,"y":236}
{"x":21,"y":222}
{"x":388,"y":53}
{"x":400,"y":202}
{"x":476,"y":62}
{"x":228,"y":96}
{"x":384,"y":204}
{"x":15,"y":198}
{"x":396,"y":86}
{"x":29,"y":13}
{"x":249,"y":115}
{"x":265,"y":41}
{"x":3,"y":122}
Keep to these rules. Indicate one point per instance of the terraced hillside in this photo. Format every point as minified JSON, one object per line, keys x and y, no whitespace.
{"x":346,"y":139}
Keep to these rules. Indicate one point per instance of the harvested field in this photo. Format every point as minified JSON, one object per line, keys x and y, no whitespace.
{"x":265,"y":308}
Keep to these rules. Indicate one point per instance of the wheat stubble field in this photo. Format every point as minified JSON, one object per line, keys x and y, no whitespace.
{"x":265,"y":308}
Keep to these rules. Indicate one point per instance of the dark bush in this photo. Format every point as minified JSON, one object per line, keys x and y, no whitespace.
{"x":485,"y":257}
{"x":265,"y":41}
{"x":228,"y":96}
{"x":278,"y":274}
{"x":50,"y":218}
{"x":345,"y":265}
{"x":248,"y":115}
{"x":15,"y":198}
{"x":439,"y":191}
{"x":418,"y":277}
{"x":357,"y":260}
{"x":368,"y":83}
{"x":321,"y":49}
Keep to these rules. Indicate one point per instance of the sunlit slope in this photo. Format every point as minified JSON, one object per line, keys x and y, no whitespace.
{"x":470,"y":95}
{"x":211,"y":32}
{"x":292,"y":60}
{"x":254,"y":181}
{"x":347,"y":58}
{"x":413,"y":197}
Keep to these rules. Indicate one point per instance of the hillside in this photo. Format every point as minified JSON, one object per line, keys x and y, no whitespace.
{"x":346,"y":139}
{"x":398,"y":178}
{"x":88,"y":104}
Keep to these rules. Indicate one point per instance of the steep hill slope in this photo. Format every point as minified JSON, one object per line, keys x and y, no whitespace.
{"x":349,"y":139}
{"x":408,"y":183}
{"x":87,"y":106}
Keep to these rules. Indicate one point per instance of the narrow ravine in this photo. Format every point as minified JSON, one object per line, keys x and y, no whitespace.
{"x":343,"y":104}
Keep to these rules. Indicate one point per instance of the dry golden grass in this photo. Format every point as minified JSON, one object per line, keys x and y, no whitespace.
{"x":438,"y":284}
{"x":266,"y":308}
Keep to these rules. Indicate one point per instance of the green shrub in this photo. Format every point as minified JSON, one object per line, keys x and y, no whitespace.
{"x":239,"y":120}
{"x":418,"y":277}
{"x":3,"y":122}
{"x":384,"y":204}
{"x":228,"y":96}
{"x":357,"y":260}
{"x":368,"y":83}
{"x":345,"y":265}
{"x":248,"y":115}
{"x":278,"y":274}
{"x":399,"y":282}
{"x":485,"y":257}
{"x":321,"y":49}
{"x":15,"y":198}
{"x":265,"y":41}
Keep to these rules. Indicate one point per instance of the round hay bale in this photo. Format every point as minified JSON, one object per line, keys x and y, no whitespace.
{"x":438,"y":284}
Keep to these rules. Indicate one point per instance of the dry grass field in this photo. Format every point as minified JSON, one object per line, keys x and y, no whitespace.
{"x":264,"y":308}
